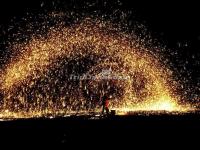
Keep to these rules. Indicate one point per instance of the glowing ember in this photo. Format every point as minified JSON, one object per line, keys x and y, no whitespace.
{"x":68,"y":70}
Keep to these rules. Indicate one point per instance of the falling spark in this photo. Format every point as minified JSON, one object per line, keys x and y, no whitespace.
{"x":68,"y":70}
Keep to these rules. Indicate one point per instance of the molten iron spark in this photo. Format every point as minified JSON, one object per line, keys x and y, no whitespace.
{"x":38,"y":81}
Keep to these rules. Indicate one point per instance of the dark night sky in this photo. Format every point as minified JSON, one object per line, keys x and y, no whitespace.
{"x":175,"y":24}
{"x":171,"y":21}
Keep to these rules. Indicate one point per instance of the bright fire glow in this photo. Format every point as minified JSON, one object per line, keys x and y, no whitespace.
{"x":36,"y":83}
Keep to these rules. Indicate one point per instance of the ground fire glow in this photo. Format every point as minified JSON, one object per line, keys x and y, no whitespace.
{"x":67,"y":71}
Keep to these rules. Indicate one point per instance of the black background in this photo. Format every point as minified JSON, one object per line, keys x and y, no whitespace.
{"x":175,"y":24}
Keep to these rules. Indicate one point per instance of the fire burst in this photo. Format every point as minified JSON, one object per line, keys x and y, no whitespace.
{"x":68,"y":70}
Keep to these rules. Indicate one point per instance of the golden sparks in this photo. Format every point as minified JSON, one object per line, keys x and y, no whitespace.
{"x":69,"y":69}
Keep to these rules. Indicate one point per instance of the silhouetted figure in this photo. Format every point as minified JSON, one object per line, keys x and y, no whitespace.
{"x":105,"y":103}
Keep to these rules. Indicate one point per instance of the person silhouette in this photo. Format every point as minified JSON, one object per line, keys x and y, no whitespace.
{"x":105,"y":103}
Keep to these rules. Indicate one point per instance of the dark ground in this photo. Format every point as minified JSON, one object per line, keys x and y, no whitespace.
{"x":114,"y":129}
